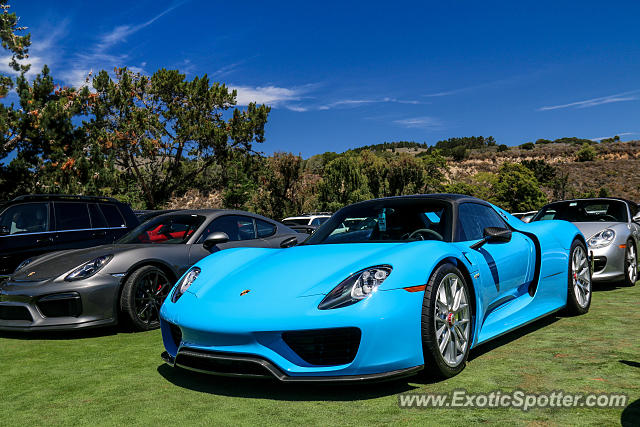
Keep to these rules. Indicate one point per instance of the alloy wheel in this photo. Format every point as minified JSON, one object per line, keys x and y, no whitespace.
{"x":632,"y":264}
{"x":151,"y":290}
{"x":452,"y":316}
{"x":580,"y":276}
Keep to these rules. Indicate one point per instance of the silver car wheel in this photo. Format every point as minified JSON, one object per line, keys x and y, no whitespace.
{"x":452,"y":316}
{"x":632,"y":264}
{"x":580,"y":276}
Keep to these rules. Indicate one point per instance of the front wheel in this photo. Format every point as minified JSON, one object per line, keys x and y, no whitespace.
{"x":446,"y":322}
{"x":630,"y":264}
{"x":579,"y":281}
{"x":142,"y":295}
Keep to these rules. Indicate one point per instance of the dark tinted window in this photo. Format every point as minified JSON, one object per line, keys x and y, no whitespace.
{"x":319,"y":221}
{"x":237,"y":227}
{"x":299,"y":221}
{"x":594,"y":210}
{"x":72,"y":216}
{"x":265,"y":229}
{"x":97,"y":219}
{"x":25,"y":218}
{"x":113,"y":216}
{"x":473,"y":219}
{"x":172,"y":229}
{"x":401,"y":220}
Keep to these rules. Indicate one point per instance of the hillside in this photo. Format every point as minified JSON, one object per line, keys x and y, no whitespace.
{"x":616,"y":167}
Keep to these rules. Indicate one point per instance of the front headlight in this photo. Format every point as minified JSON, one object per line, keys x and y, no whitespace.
{"x":23,"y":264}
{"x":89,"y":268}
{"x":356,"y":287}
{"x":601,"y":239}
{"x":185,"y":283}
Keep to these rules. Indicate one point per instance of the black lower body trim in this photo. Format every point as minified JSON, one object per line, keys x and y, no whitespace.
{"x":269,"y":370}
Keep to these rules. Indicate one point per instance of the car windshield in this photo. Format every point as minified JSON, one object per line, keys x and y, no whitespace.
{"x":585,"y":211}
{"x":400,"y":220}
{"x":165,"y":229}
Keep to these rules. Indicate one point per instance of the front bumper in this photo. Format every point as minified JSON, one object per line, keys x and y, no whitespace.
{"x":221,"y":340}
{"x":608,"y":263}
{"x":52,"y":305}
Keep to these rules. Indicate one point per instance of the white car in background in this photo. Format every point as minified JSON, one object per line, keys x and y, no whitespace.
{"x":525,"y":216}
{"x":307,"y":223}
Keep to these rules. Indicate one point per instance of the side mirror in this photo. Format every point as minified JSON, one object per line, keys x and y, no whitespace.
{"x":636,"y":218}
{"x":493,"y":235}
{"x":289,"y":242}
{"x":215,"y":238}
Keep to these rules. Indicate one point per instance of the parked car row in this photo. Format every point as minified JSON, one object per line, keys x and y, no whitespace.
{"x":382,"y":288}
{"x":84,"y":283}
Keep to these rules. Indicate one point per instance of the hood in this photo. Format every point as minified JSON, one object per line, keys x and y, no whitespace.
{"x":298,"y":271}
{"x":55,"y":264}
{"x":591,"y":228}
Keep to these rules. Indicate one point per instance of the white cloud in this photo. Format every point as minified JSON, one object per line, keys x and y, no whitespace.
{"x":617,"y":134}
{"x":423,"y":122}
{"x":271,"y":95}
{"x":620,"y":97}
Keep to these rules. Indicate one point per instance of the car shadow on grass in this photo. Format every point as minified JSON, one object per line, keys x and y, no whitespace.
{"x":631,"y":415}
{"x":272,"y":389}
{"x":512,"y":336}
{"x":66,"y":335}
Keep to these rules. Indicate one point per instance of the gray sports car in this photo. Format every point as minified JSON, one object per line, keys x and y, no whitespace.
{"x":97,"y":286}
{"x":612,"y":229}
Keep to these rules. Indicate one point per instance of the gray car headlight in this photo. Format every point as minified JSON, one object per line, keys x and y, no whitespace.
{"x":89,"y":268}
{"x":23,"y":264}
{"x":185,"y":283}
{"x":601,"y":239}
{"x":356,"y":287}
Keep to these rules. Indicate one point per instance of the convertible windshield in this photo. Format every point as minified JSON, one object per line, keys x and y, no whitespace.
{"x":386,"y":221}
{"x":585,"y":211}
{"x":170,"y":229}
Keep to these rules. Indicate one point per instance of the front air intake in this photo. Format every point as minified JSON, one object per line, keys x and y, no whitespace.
{"x":324,"y":347}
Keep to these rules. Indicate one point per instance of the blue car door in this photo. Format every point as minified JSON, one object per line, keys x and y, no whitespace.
{"x":506,"y":269}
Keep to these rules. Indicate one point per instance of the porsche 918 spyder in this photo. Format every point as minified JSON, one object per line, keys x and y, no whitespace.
{"x":417,"y":283}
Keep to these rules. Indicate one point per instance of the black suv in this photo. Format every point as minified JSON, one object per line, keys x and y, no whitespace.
{"x":32,"y":225}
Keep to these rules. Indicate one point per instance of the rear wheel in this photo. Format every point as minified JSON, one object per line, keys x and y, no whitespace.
{"x":142,"y":295}
{"x":630,"y":264}
{"x":446,"y":322}
{"x":579,"y":281}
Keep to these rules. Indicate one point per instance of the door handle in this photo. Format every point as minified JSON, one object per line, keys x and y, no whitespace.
{"x":97,"y":234}
{"x":44,"y":241}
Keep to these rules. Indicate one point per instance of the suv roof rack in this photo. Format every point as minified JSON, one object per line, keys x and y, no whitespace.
{"x":65,"y":196}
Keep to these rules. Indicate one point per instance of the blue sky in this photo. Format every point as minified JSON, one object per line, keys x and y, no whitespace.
{"x":344,"y":74}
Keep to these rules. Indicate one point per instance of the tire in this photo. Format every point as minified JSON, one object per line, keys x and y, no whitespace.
{"x":579,"y":285}
{"x":442,"y":321}
{"x":142,"y":295}
{"x":630,"y":264}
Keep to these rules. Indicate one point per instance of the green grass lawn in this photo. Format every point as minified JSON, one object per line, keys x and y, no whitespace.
{"x":115,"y":378}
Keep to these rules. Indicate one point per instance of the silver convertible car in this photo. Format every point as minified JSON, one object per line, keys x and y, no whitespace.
{"x":98,"y":286}
{"x":612,"y":229}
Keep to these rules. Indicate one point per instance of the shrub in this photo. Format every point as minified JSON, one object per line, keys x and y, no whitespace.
{"x":528,"y":146}
{"x":587,"y":153}
{"x":502,"y":147}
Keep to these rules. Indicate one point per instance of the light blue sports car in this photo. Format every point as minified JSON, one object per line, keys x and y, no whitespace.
{"x":385,"y":288}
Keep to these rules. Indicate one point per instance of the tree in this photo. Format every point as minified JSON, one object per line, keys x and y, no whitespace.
{"x":502,"y":148}
{"x":343,"y":183}
{"x":517,"y":189}
{"x":151,"y":125}
{"x":542,"y":170}
{"x":528,"y":146}
{"x":280,"y":181}
{"x":18,"y":47}
{"x":586,"y":154}
{"x":406,"y":175}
